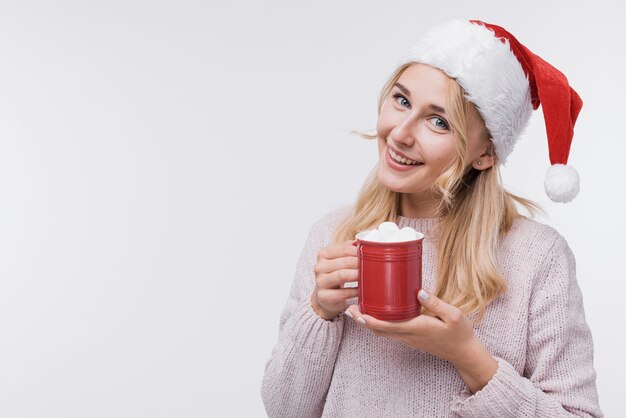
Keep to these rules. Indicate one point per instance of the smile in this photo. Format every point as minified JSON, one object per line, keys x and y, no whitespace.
{"x":393,"y":163}
{"x":402,"y":160}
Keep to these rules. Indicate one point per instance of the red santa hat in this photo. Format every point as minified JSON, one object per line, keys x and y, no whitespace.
{"x":506,"y":82}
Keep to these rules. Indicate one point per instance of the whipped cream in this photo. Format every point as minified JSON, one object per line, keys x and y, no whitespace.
{"x":390,"y":232}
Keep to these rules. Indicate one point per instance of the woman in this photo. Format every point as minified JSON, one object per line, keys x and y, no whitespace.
{"x":503,"y":331}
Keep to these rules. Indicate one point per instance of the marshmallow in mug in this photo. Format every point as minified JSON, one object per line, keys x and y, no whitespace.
{"x":389,"y":232}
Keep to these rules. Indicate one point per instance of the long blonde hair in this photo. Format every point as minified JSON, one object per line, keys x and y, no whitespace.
{"x":474,"y":213}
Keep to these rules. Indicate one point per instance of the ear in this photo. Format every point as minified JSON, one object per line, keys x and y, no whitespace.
{"x":486,"y":160}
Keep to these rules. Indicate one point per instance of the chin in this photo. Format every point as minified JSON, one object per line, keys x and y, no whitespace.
{"x":394,"y":186}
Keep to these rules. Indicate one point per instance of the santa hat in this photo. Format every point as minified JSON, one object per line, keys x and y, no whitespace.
{"x":506,"y":82}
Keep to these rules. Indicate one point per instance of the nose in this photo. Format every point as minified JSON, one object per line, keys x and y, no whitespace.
{"x":404,"y":132}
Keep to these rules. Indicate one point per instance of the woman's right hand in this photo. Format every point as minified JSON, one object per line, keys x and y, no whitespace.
{"x":337,"y":264}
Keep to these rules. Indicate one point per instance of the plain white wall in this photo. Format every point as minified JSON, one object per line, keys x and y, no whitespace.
{"x":161,"y":163}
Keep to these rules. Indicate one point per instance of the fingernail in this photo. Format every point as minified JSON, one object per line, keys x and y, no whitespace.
{"x":423,"y":295}
{"x":348,"y":314}
{"x":360,"y":320}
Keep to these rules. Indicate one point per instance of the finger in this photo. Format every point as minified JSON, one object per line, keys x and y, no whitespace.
{"x":376,"y":326}
{"x":337,"y":278}
{"x":353,"y":311}
{"x":336,"y":297}
{"x":390,"y":327}
{"x":345,"y":249}
{"x":445,"y":311}
{"x":329,"y":265}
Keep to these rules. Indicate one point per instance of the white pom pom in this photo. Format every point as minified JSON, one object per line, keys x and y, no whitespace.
{"x":562,"y":183}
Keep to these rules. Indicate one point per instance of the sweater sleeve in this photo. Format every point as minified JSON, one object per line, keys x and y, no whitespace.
{"x":298,"y":373}
{"x":558,"y":379}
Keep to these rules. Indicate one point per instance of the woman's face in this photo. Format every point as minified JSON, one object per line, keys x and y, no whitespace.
{"x":413,"y":124}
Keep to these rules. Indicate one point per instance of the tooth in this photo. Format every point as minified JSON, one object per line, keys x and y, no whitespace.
{"x":402,"y":160}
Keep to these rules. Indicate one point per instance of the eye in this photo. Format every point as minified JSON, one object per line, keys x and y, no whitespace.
{"x":439,"y":122}
{"x":401,"y":100}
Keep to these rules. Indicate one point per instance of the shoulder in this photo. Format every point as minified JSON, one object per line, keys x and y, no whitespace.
{"x":325,"y":226}
{"x":534,"y":245}
{"x":321,"y":234}
{"x":528,"y":234}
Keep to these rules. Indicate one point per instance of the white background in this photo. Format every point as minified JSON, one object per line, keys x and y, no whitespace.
{"x":161,"y":163}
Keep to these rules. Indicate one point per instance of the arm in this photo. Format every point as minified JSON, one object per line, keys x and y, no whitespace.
{"x":559,"y":378}
{"x":298,"y":373}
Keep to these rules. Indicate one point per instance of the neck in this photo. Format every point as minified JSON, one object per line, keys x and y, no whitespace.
{"x":418,"y":206}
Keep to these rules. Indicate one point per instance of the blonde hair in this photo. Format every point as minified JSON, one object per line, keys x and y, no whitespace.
{"x":474,"y":213}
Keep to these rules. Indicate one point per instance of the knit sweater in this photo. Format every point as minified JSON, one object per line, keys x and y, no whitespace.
{"x":536,"y":331}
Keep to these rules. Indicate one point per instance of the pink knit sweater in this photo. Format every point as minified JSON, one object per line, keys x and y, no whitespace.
{"x":536,"y":331}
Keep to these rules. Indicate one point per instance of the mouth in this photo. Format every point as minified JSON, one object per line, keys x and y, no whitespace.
{"x":399,"y":166}
{"x":392,"y":162}
{"x":400,"y":159}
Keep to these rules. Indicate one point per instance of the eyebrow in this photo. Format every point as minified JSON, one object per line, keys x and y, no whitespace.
{"x":430,"y":106}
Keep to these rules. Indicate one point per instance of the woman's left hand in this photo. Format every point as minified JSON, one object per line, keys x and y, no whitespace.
{"x":449,"y":335}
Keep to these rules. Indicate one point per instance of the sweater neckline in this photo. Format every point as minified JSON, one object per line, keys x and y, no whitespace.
{"x":426,"y":226}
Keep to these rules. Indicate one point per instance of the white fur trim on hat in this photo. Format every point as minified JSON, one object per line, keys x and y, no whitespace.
{"x":488,"y":71}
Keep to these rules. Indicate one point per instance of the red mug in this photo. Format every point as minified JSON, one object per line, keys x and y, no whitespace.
{"x":390,"y":275}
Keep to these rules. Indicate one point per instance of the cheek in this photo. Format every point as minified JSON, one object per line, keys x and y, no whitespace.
{"x":440,"y":151}
{"x":381,"y":127}
{"x":381,"y":147}
{"x":382,"y":131}
{"x":384,"y":123}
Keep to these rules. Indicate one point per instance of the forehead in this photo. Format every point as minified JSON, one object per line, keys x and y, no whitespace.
{"x":424,"y":79}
